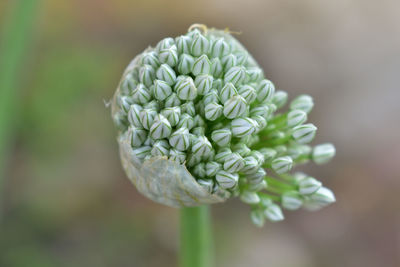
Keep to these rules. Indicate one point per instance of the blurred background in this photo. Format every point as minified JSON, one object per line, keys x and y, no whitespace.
{"x":65,"y":200}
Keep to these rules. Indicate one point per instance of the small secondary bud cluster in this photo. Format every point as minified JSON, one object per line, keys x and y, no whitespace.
{"x":201,"y":100}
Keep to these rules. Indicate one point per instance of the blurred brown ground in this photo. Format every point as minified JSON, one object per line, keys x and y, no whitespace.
{"x":68,"y":203}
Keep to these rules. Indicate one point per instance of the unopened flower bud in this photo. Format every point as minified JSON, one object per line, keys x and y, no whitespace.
{"x":257,"y":217}
{"x":200,"y":45}
{"x":188,"y":107}
{"x":133,"y":115}
{"x":241,"y":56}
{"x":291,"y":200}
{"x":222,"y":154}
{"x":282,"y":164}
{"x":296,"y":117}
{"x":177,"y":155}
{"x":207,"y":184}
{"x":172,"y":101}
{"x":303,"y":134}
{"x":147,"y":117}
{"x":268,"y":153}
{"x":180,"y":139}
{"x":141,"y":94}
{"x":221,"y":137}
{"x":212,"y":168}
{"x":185,"y":64}
{"x":164,"y":44}
{"x":226,"y":179}
{"x":169,"y":56}
{"x":248,"y":93}
{"x":198,"y":131}
{"x":262,"y":111}
{"x":227,"y":92}
{"x":229,"y":61}
{"x":249,"y":197}
{"x":199,"y":121}
{"x":203,"y":83}
{"x":201,"y":65}
{"x":160,"y":148}
{"x":147,"y":75}
{"x":309,"y":185}
{"x":235,"y":75}
{"x":161,"y":90}
{"x":302,"y":102}
{"x":243,"y":126}
{"x":186,"y":121}
{"x":251,"y":165}
{"x":256,"y":177}
{"x":213,"y":111}
{"x":185,"y":89}
{"x":220,"y":48}
{"x":201,"y":146}
{"x":142,"y":152}
{"x":199,"y":170}
{"x":172,"y":114}
{"x":233,"y":163}
{"x":235,"y":107}
{"x":137,"y":136}
{"x":323,"y":153}
{"x":166,"y":73}
{"x":242,"y":149}
{"x":216,"y":67}
{"x":265,"y":91}
{"x":280,"y":98}
{"x":183,"y":43}
{"x":274,"y":213}
{"x":150,"y":58}
{"x":161,"y":128}
{"x":255,"y":74}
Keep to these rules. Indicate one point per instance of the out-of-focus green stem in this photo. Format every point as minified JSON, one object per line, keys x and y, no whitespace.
{"x":15,"y":38}
{"x":196,"y":239}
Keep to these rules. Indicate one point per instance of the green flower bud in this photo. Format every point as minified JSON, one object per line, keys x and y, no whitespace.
{"x":161,"y":128}
{"x":216,"y":67}
{"x":309,"y":185}
{"x":213,"y":111}
{"x":299,"y":151}
{"x":161,"y":90}
{"x":172,"y":114}
{"x":218,"y":84}
{"x":255,"y":74}
{"x":282,"y":164}
{"x":200,"y":45}
{"x":291,"y":200}
{"x":128,"y":84}
{"x":258,"y":187}
{"x":242,"y":149}
{"x":141,"y":94}
{"x":186,"y":121}
{"x":227,"y":92}
{"x":323,"y":197}
{"x":198,"y":131}
{"x":164,"y":44}
{"x":220,"y":48}
{"x":147,"y":117}
{"x":221,"y":137}
{"x":302,"y":102}
{"x":177,"y":156}
{"x":233,"y":163}
{"x":203,"y":83}
{"x":258,"y":156}
{"x":265,"y":91}
{"x":185,"y":64}
{"x":201,"y":146}
{"x":185,"y":89}
{"x":172,"y":101}
{"x":192,"y":160}
{"x":251,"y":165}
{"x":137,"y":136}
{"x":243,"y":126}
{"x":235,"y":75}
{"x":153,"y":104}
{"x":133,"y":115}
{"x":248,"y":93}
{"x":200,"y":170}
{"x":257,"y":217}
{"x":256,"y":177}
{"x":226,"y":179}
{"x":166,"y":73}
{"x":183,"y":43}
{"x":201,"y":65}
{"x":142,"y":152}
{"x":296,"y":117}
{"x":323,"y":153}
{"x":241,"y":56}
{"x":280,"y":98}
{"x":235,"y":107}
{"x":222,"y":154}
{"x":249,"y":197}
{"x":303,"y":134}
{"x":212,"y":168}
{"x":160,"y":148}
{"x":188,"y":108}
{"x":229,"y":61}
{"x":211,"y":97}
{"x":150,"y":58}
{"x":262,"y":111}
{"x":180,"y":139}
{"x":207,"y":184}
{"x":147,"y":75}
{"x":274,"y":213}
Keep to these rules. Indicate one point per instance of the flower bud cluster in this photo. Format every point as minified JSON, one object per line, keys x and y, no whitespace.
{"x":201,"y":100}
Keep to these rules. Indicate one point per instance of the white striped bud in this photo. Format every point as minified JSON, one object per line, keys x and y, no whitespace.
{"x":211,"y":97}
{"x":258,"y":187}
{"x":180,"y":139}
{"x":235,"y":107}
{"x":258,"y":156}
{"x":172,"y":101}
{"x":241,"y":56}
{"x":296,"y":117}
{"x":199,"y":121}
{"x":147,"y":117}
{"x":323,"y":153}
{"x":235,"y":75}
{"x":199,"y":170}
{"x":309,"y":185}
{"x":268,"y":153}
{"x":302,"y":102}
{"x":249,"y":197}
{"x":273,"y":213}
{"x":233,"y":163}
{"x":222,"y":155}
{"x":200,"y":45}
{"x":248,"y":93}
{"x":242,"y":149}
{"x":218,"y":84}
{"x":257,"y":217}
{"x":185,"y":64}
{"x":305,"y":133}
{"x":192,"y":160}
{"x":147,"y":75}
{"x":282,"y":164}
{"x":164,"y":44}
{"x":229,"y":61}
{"x":185,"y":89}
{"x":280,"y":98}
{"x":133,"y":115}
{"x":149,"y":141}
{"x":177,"y":156}
{"x":300,"y":153}
{"x":220,"y":48}
{"x":291,"y":200}
{"x":161,"y":128}
{"x":141,"y":94}
{"x":137,"y":136}
{"x":166,"y":73}
{"x":213,"y":111}
{"x":161,"y":90}
{"x":265,"y":91}
{"x":322,"y":197}
{"x":198,"y":131}
{"x":201,"y":65}
{"x":221,"y":137}
{"x":142,"y":152}
{"x":216,"y":67}
{"x":150,"y":58}
{"x":186,"y":121}
{"x":226,"y":179}
{"x":212,"y":168}
{"x":260,"y":111}
{"x":261,"y":122}
{"x":153,"y":104}
{"x":172,"y":114}
{"x":207,"y":184}
{"x":183,"y":43}
{"x":251,"y":165}
{"x":128,"y":84}
{"x":255,"y":74}
{"x":160,"y":148}
{"x":256,"y":177}
{"x":188,"y":107}
{"x":243,"y":126}
{"x":203,"y":83}
{"x":201,"y":146}
{"x":227,"y":92}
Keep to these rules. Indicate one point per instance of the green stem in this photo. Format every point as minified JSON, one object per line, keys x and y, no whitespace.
{"x":196,"y":244}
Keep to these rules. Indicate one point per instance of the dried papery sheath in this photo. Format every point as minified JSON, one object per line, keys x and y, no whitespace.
{"x":198,"y":122}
